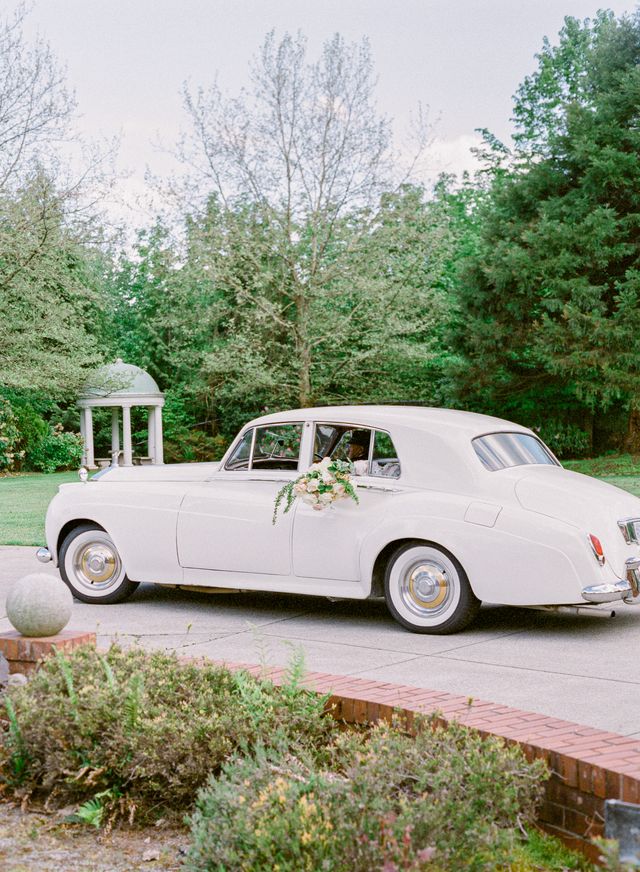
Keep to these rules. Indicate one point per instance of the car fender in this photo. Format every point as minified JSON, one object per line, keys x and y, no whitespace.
{"x":508,"y":563}
{"x":141,"y":523}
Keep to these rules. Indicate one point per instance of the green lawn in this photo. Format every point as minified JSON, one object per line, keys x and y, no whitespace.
{"x":23,"y":504}
{"x":622,"y":470}
{"x":24,"y":498}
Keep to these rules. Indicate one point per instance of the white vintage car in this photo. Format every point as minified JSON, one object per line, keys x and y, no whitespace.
{"x":454,"y":508}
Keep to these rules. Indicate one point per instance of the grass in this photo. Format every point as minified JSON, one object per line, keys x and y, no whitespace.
{"x":24,"y":498}
{"x":23,"y":505}
{"x":621,"y":470}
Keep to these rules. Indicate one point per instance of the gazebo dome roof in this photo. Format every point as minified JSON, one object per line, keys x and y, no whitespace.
{"x":120,"y":380}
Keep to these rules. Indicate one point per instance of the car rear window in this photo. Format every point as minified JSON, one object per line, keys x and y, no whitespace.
{"x":503,"y":450}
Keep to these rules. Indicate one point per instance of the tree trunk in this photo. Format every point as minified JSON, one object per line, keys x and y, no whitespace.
{"x":632,"y":442}
{"x":305,"y":376}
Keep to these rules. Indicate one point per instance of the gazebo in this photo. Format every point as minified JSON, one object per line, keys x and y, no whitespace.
{"x":121,"y":386}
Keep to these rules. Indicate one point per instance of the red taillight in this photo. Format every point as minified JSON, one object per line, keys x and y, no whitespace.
{"x":596,"y":544}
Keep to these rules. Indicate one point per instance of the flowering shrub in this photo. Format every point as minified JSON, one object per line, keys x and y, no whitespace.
{"x":442,"y":800}
{"x":323,"y":484}
{"x":9,"y":436}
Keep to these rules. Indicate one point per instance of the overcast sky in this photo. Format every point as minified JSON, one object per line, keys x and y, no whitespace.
{"x":127,"y":59}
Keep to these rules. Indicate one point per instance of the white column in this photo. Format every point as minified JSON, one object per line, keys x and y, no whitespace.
{"x":151,"y":434}
{"x":126,"y":436}
{"x":84,"y":438}
{"x":88,"y":438}
{"x":157,"y":432}
{"x":115,"y":435}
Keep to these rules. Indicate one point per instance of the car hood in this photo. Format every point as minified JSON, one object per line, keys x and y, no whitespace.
{"x":165,"y":472}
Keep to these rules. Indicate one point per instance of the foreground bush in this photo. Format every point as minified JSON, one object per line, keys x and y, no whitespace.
{"x":445,"y":799}
{"x":141,"y":731}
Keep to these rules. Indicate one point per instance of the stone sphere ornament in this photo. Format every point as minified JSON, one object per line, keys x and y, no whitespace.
{"x":39,"y":605}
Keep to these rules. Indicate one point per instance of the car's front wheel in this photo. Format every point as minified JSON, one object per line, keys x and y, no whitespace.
{"x":92,"y":567}
{"x":427,"y":590}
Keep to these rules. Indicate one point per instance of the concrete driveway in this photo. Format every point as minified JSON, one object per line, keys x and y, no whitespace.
{"x":579,"y":669}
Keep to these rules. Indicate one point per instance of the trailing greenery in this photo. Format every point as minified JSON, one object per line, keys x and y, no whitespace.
{"x":323,"y":483}
{"x":140,"y":733}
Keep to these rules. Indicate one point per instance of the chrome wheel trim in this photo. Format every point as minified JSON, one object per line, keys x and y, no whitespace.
{"x":424,"y":586}
{"x":93,"y":565}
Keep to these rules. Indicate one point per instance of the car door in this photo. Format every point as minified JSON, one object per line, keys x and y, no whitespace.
{"x":226,"y":524}
{"x":326,"y":544}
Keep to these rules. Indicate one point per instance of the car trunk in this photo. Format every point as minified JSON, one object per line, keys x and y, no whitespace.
{"x":591,"y":505}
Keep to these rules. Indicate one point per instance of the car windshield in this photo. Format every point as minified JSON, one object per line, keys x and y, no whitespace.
{"x":502,"y":450}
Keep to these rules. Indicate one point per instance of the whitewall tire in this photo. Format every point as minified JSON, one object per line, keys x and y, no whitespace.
{"x":92,"y":568}
{"x":427,"y":590}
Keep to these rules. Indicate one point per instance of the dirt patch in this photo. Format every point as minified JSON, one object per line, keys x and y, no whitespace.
{"x":34,"y":841}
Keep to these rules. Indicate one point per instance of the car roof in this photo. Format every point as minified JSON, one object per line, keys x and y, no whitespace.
{"x":428,"y":419}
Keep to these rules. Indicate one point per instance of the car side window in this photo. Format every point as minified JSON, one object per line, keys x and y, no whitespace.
{"x":241,"y":453}
{"x":340,"y":442}
{"x":384,"y":460}
{"x":277,"y":447}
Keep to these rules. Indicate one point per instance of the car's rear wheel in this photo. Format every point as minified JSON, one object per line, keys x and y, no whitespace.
{"x":427,"y":590}
{"x":92,"y":567}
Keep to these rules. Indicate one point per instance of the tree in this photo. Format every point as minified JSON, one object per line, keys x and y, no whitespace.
{"x":550,"y":304}
{"x":35,"y":106}
{"x":299,"y":167}
{"x":50,"y":292}
{"x":49,"y":267}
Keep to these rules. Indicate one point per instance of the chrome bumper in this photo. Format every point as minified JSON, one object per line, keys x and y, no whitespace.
{"x":43,"y":555}
{"x":626,"y":589}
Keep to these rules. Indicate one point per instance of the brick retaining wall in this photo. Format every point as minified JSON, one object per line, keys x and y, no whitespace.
{"x":587,"y":765}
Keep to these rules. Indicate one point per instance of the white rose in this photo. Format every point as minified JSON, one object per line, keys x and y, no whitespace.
{"x":326,"y":498}
{"x":312,"y":485}
{"x":338,"y":489}
{"x":326,"y":461}
{"x":300,"y":487}
{"x":310,"y":499}
{"x":327,"y":477}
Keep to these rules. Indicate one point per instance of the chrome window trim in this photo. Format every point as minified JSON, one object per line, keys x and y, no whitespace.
{"x":373,"y":430}
{"x":278,"y":424}
{"x":231,"y":451}
{"x":556,"y":462}
{"x":627,"y":528}
{"x":251,"y":450}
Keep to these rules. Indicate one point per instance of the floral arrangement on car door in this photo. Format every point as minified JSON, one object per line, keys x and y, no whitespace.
{"x":320,"y":487}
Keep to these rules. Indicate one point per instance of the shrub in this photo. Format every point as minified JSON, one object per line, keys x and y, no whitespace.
{"x":9,"y":436}
{"x":445,"y":799}
{"x":31,"y":426}
{"x":56,"y":449}
{"x":140,"y":731}
{"x":564,"y":439}
{"x":194,"y":447}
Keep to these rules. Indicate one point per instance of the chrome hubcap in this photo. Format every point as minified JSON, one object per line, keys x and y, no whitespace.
{"x":97,"y":565}
{"x":426,"y":588}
